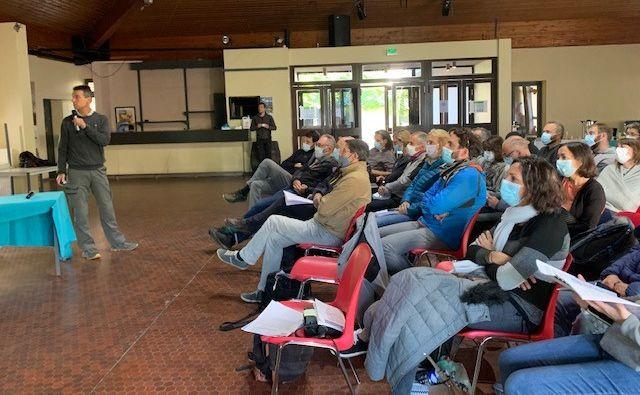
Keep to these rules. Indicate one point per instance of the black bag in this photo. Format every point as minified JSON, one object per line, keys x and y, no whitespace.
{"x":28,"y":159}
{"x":294,"y":359}
{"x":595,"y":250}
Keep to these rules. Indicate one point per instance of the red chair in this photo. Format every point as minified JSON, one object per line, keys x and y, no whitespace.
{"x":418,"y":253}
{"x":346,"y":300}
{"x":634,"y":217}
{"x":544,"y":332}
{"x":309,"y":247}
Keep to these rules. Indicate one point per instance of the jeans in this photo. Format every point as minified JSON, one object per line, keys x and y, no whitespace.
{"x":399,"y":239}
{"x":279,"y":232}
{"x":567,"y":310}
{"x":391,"y":219}
{"x":382,"y":204}
{"x":268,"y":179}
{"x":81,"y":184}
{"x":567,"y":365}
{"x":262,"y":204}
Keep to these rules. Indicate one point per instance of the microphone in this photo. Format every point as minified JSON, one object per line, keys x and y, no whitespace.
{"x":75,"y":115}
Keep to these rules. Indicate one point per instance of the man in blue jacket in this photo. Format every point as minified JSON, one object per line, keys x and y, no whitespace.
{"x":447,"y":207}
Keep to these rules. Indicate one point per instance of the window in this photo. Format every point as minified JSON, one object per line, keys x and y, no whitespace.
{"x":445,"y":104}
{"x":309,"y":109}
{"x":392,"y":71}
{"x":344,"y":108}
{"x":92,"y":85}
{"x":323,"y":73}
{"x":450,"y":68}
{"x":527,"y":107}
{"x":407,"y":106}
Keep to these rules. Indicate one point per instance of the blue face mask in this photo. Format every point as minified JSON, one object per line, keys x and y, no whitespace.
{"x":318,"y":152}
{"x":447,"y":155}
{"x":565,"y":167}
{"x":510,"y":193}
{"x":546,"y":138}
{"x":508,"y":160}
{"x":336,"y":154}
{"x":398,"y":149}
{"x":344,"y":161}
{"x":590,"y":140}
{"x":378,"y":146}
{"x":306,"y":147}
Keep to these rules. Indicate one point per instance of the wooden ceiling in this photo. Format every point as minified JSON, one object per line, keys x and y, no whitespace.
{"x":200,"y":24}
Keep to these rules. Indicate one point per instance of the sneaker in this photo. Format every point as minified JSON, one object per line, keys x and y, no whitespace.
{"x":231,"y":258}
{"x":224,"y":240}
{"x":234,"y":222}
{"x":91,"y":255}
{"x":127,"y":246}
{"x":360,"y":348}
{"x":252,"y":297}
{"x":234,"y":197}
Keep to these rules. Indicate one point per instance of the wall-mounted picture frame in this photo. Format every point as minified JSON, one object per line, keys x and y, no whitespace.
{"x":126,"y":119}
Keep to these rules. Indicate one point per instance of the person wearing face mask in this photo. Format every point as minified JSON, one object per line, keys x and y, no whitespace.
{"x":327,"y":227}
{"x":401,"y":139}
{"x":303,"y":155}
{"x":584,"y":197}
{"x":447,"y":206}
{"x":506,"y":298}
{"x":382,"y":156}
{"x":621,"y":180}
{"x":390,"y":194}
{"x":495,"y":169}
{"x":514,"y":147}
{"x":597,"y":138}
{"x":429,"y":173}
{"x":551,"y":137}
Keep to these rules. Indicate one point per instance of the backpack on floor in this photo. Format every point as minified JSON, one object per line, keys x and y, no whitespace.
{"x":28,"y":159}
{"x":294,"y":359}
{"x":595,"y":250}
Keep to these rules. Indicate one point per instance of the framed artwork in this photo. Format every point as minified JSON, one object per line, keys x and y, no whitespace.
{"x":126,"y":119}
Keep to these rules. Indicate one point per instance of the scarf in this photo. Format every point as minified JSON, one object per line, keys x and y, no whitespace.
{"x":511,"y":217}
{"x":621,"y":187}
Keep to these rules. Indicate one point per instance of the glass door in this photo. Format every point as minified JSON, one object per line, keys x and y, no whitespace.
{"x":374,"y":104}
{"x":445,"y":104}
{"x":478,"y":104}
{"x":310,"y":108}
{"x":407,"y":107}
{"x":343,"y":110}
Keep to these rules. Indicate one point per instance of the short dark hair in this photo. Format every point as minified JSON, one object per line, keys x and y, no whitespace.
{"x":468,"y":140}
{"x":542,"y":183}
{"x":494,"y":144}
{"x":359,"y":148}
{"x":315,"y":136}
{"x":86,"y":91}
{"x":262,"y":104}
{"x":584,"y":154}
{"x":559,"y":127}
{"x":603,"y":128}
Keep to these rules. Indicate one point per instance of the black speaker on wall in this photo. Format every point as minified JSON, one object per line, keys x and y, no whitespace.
{"x":339,"y":30}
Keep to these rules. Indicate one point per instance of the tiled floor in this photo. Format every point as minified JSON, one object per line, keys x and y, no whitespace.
{"x":144,"y":321}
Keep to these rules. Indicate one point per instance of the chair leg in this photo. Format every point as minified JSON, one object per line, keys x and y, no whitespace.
{"x":276,"y":375}
{"x":344,"y":373}
{"x":301,"y":290}
{"x":476,"y":370}
{"x":355,"y":374}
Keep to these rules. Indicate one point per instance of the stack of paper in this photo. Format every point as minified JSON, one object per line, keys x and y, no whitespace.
{"x":329,"y":316}
{"x":276,"y":320}
{"x":291,"y":199}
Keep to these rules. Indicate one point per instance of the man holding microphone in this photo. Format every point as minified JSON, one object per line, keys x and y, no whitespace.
{"x":83,"y":136}
{"x":263,"y":124}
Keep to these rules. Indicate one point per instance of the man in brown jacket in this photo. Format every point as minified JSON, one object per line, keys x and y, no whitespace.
{"x":327,"y":227}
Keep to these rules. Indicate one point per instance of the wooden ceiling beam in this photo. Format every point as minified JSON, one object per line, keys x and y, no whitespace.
{"x":111,"y":21}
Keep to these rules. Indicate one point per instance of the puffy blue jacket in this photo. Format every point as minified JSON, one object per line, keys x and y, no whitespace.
{"x":461,"y":197}
{"x":426,"y":177}
{"x":627,"y":268}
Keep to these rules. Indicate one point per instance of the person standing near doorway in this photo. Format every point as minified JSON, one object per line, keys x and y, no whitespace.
{"x":83,"y":137}
{"x":263,"y":124}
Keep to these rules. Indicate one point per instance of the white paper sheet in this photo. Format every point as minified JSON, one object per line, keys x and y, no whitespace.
{"x":329,"y":316}
{"x":276,"y":320}
{"x":291,"y":199}
{"x":378,"y":196}
{"x":585,"y":290}
{"x":465,"y":266}
{"x":382,"y":213}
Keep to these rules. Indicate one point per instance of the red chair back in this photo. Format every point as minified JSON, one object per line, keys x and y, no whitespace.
{"x":462,"y":251}
{"x":349,"y":289}
{"x":352,"y":225}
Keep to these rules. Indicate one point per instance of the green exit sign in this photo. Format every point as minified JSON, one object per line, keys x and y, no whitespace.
{"x":392,"y":51}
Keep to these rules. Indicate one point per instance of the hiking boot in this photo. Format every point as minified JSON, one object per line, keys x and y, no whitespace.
{"x":126,"y":246}
{"x":225,"y":240}
{"x":252,"y":297}
{"x":231,"y":258}
{"x":234,"y":197}
{"x":91,"y":255}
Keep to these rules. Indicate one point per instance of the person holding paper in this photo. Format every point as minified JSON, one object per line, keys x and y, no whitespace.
{"x":327,"y":227}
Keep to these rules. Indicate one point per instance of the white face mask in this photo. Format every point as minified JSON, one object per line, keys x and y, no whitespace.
{"x":623,"y":155}
{"x":411,"y":149}
{"x":431,"y":150}
{"x":489,"y":156}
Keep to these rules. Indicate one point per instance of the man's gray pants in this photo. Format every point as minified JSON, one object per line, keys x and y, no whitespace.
{"x":268,"y":179}
{"x":80,"y":184}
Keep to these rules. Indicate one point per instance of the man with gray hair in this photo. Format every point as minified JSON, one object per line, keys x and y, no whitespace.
{"x":327,"y":227}
{"x":481,"y":133}
{"x":552,"y":135}
{"x":515,"y":147}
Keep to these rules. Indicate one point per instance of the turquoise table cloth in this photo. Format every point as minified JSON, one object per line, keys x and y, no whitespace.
{"x":32,"y":222}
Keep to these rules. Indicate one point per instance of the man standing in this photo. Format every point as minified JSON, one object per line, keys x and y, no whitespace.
{"x":552,"y":134}
{"x":83,"y":137}
{"x":263,"y":124}
{"x":597,"y":138}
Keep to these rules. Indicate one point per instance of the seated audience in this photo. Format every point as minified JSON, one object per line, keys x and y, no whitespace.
{"x":390,"y":194}
{"x":621,"y":180}
{"x":583,"y":196}
{"x":481,"y":134}
{"x":597,"y":138}
{"x":409,"y":209}
{"x":382,"y":156}
{"x":622,"y":277}
{"x":446,"y":207}
{"x":270,"y":178}
{"x":552,"y":135}
{"x":327,"y":227}
{"x":495,"y":169}
{"x":584,"y":364}
{"x":514,"y":147}
{"x":424,"y":307}
{"x":632,"y":131}
{"x":401,"y":139}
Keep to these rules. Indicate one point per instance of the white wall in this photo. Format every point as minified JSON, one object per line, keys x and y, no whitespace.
{"x":589,"y":82}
